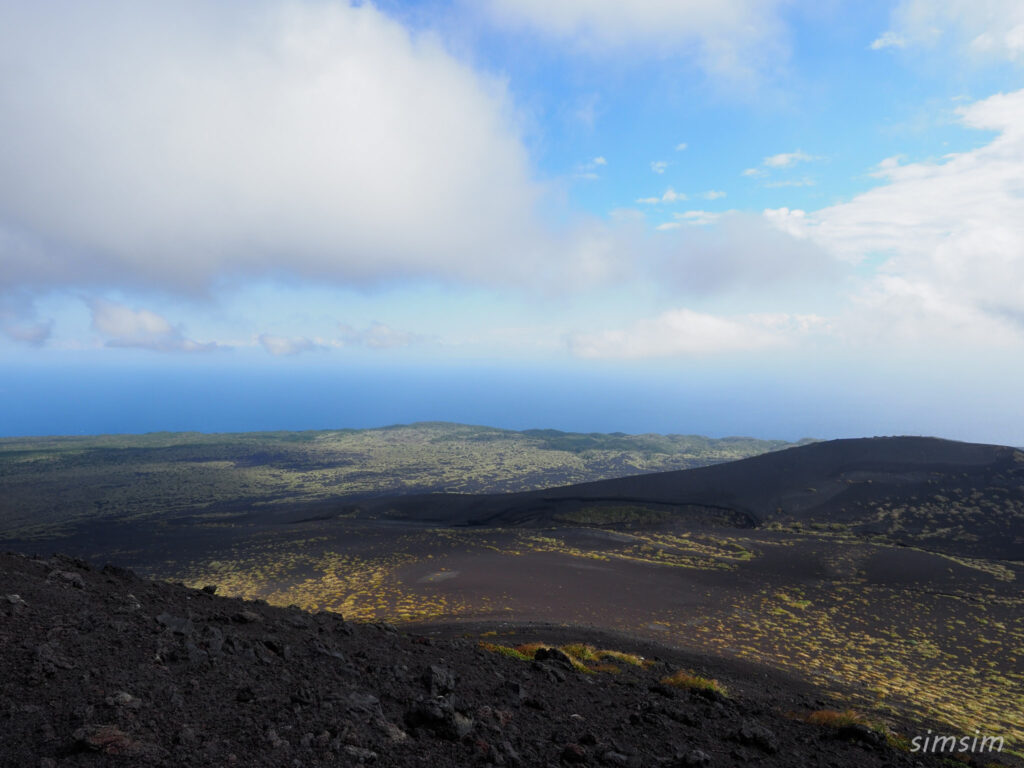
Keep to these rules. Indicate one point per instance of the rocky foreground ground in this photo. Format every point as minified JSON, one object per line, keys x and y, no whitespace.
{"x":100,"y":667}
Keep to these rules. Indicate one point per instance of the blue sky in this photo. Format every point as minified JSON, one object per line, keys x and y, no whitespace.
{"x":767,"y":217}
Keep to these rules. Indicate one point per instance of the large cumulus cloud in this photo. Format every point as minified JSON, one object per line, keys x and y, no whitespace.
{"x":175,"y":144}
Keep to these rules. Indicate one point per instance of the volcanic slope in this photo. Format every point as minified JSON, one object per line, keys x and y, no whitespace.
{"x":99,"y":667}
{"x":959,"y":498}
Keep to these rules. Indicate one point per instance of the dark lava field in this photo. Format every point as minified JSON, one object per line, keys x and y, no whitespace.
{"x":100,"y":667}
{"x":876,"y":582}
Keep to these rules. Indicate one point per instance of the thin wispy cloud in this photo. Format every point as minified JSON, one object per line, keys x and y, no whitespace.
{"x":377,"y":336}
{"x":668,"y":196}
{"x":697,"y":218}
{"x":284,"y":346}
{"x":888,"y":40}
{"x":737,"y":41}
{"x":787,"y":159}
{"x":20,"y":322}
{"x":804,"y":181}
{"x":978,"y":31}
{"x":589,"y":170}
{"x":782,"y":162}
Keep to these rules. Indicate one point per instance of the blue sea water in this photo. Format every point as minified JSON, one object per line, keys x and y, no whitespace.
{"x":83,"y":399}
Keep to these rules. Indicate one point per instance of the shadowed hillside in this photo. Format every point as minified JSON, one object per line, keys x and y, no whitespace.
{"x":49,"y":482}
{"x":961,"y":498}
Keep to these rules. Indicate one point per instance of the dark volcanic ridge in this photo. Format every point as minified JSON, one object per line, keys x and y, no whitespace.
{"x":960,"y":498}
{"x":100,"y":667}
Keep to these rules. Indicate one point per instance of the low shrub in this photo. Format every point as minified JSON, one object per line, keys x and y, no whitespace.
{"x":504,"y":650}
{"x":690,"y":681}
{"x":584,"y":658}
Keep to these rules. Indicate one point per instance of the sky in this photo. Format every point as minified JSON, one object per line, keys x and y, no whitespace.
{"x":777,"y":218}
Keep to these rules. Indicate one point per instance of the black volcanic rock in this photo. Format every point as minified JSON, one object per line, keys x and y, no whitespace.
{"x":439,"y":680}
{"x":553,"y":655}
{"x":127,"y":672}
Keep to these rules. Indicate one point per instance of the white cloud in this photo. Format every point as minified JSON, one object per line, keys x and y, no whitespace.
{"x":731,"y":39}
{"x":174,"y":144}
{"x":755,"y":172}
{"x":377,"y":336}
{"x":668,"y":225}
{"x":659,"y":166}
{"x":915,"y":313}
{"x":977,"y":29}
{"x":787,"y":159}
{"x":140,"y":328}
{"x":949,"y":235}
{"x":681,"y":332}
{"x":792,"y":222}
{"x":681,"y":146}
{"x":599,"y":161}
{"x":713,"y":194}
{"x":281,"y":346}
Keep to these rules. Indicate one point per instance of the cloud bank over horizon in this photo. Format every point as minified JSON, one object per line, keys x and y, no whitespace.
{"x":569,"y":183}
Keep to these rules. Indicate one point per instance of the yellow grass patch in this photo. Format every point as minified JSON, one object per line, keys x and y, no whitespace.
{"x":583,"y":657}
{"x":684,"y":679}
{"x":835,"y":719}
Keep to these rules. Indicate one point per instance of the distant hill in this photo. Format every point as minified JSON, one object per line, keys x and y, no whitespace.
{"x":49,"y":482}
{"x":954,"y":497}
